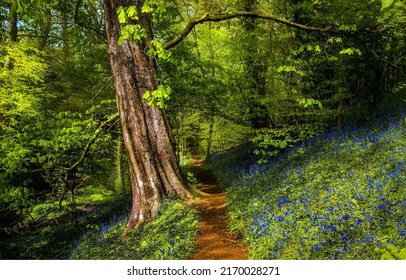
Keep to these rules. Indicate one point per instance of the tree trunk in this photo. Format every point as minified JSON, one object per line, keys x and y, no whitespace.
{"x":12,"y":28}
{"x":154,"y":170}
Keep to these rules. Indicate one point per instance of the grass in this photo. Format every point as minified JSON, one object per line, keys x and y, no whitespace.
{"x":339,"y":195}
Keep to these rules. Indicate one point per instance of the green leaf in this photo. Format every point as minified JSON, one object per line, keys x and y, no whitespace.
{"x":132,"y":12}
{"x":146,"y":8}
{"x":146,"y":95}
{"x":122,"y":17}
{"x":386,"y":4}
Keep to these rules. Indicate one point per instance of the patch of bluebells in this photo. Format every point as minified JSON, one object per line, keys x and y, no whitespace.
{"x":338,"y":195}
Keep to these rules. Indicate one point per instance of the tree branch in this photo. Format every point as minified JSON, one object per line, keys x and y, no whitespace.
{"x":90,"y":142}
{"x":221,"y":17}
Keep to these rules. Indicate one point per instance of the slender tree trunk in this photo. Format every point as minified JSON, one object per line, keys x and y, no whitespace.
{"x":211,"y":126}
{"x":154,"y":170}
{"x":65,"y":34}
{"x":12,"y":28}
{"x":256,"y":67}
{"x":46,"y":31}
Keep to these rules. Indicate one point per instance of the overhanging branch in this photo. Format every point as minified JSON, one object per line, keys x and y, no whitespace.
{"x":221,"y":17}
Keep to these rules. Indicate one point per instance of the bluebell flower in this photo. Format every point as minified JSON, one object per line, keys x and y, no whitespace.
{"x":374,"y":139}
{"x":316,"y":247}
{"x":104,"y":229}
{"x":279,"y":218}
{"x":282,"y":201}
{"x":359,"y":222}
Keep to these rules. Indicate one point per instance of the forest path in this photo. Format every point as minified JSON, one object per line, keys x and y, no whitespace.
{"x":215,"y":241}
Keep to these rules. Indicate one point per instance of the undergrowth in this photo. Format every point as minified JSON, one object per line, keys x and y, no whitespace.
{"x":170,"y":236}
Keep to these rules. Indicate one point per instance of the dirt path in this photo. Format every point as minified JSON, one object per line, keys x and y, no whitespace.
{"x":215,"y":241}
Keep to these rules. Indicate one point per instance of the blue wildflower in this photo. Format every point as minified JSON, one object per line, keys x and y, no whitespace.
{"x":359,"y":222}
{"x":282,"y":201}
{"x":403,"y":233}
{"x":346,"y":217}
{"x":316,"y":247}
{"x":374,"y":139}
{"x":279,"y":218}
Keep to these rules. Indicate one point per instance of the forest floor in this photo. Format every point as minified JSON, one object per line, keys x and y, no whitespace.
{"x":215,"y":241}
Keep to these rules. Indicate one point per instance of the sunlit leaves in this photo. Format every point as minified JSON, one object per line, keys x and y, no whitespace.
{"x":289,"y":68}
{"x":156,"y":50}
{"x":309,"y":102}
{"x":132,"y":33}
{"x":158,"y":97}
{"x":351,"y":51}
{"x":386,"y":3}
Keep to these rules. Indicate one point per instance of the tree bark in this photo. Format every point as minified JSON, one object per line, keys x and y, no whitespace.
{"x":154,"y":170}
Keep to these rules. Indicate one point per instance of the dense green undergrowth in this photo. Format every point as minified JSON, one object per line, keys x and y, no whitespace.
{"x":339,"y":195}
{"x":53,"y":233}
{"x":97,"y":232}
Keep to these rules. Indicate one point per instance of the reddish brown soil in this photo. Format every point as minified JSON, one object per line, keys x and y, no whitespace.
{"x":215,"y":241}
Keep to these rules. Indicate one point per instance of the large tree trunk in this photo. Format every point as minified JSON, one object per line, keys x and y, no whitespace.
{"x":153,"y":167}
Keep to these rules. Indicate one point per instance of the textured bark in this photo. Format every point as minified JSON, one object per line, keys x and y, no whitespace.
{"x":154,"y":170}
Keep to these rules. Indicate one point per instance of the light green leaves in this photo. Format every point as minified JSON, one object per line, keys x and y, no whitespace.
{"x":127,"y":13}
{"x":352,"y":27}
{"x":146,"y":8}
{"x":289,"y":68}
{"x":156,"y":50}
{"x":386,"y":3}
{"x":131,"y":32}
{"x":351,"y":51}
{"x":309,"y":102}
{"x":159,"y":96}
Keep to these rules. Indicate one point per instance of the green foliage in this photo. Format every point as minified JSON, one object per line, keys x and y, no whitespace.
{"x":169,"y":237}
{"x":309,"y":102}
{"x":386,"y":3}
{"x":270,"y":142}
{"x":391,"y":252}
{"x":158,"y":97}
